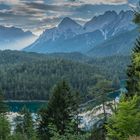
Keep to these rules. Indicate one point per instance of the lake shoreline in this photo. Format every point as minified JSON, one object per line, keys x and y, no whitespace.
{"x":24,"y":101}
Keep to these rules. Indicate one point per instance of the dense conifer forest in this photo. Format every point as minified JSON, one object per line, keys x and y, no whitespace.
{"x":30,"y":76}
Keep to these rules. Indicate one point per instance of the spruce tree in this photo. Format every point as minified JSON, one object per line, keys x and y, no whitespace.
{"x":24,"y":124}
{"x":133,"y":71}
{"x":3,"y":106}
{"x":4,"y":128}
{"x":4,"y":123}
{"x":59,"y":113}
{"x":76,"y":111}
{"x":43,"y":130}
{"x":101,"y":96}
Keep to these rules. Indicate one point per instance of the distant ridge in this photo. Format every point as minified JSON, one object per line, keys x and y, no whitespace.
{"x":15,"y":38}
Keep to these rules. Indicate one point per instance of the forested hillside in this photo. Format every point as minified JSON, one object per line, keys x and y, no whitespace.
{"x":31,"y":76}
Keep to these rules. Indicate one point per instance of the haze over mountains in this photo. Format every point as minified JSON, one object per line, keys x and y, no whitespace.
{"x":100,"y":31}
{"x":12,"y":38}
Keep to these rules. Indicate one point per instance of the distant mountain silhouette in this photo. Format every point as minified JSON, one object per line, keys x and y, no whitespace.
{"x":12,"y":38}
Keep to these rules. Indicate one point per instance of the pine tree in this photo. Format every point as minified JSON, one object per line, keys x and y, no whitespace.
{"x":24,"y":124}
{"x":76,"y":104}
{"x":4,"y":123}
{"x":43,"y":130}
{"x":137,"y":16}
{"x":4,"y":128}
{"x":100,"y":92}
{"x":3,"y":106}
{"x":133,"y":72}
{"x":28,"y":124}
{"x":59,"y":113}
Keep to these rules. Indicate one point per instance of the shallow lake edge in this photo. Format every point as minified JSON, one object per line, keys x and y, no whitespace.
{"x":24,"y":101}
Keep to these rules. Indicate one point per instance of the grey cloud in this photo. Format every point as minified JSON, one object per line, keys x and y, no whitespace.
{"x":40,"y":14}
{"x":4,"y":6}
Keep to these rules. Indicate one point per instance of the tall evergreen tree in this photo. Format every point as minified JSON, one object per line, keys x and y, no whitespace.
{"x":76,"y":104}
{"x":4,"y":128}
{"x":101,"y":96}
{"x":3,"y":106}
{"x":4,"y":123}
{"x":59,"y":113}
{"x":100,"y":92}
{"x":25,"y":125}
{"x":43,"y":130}
{"x":133,"y":72}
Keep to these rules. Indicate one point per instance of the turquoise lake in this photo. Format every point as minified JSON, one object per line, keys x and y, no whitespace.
{"x":32,"y":106}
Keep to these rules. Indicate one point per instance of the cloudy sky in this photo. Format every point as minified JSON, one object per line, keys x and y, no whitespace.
{"x":37,"y":15}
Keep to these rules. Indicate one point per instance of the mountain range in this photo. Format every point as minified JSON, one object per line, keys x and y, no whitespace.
{"x":108,"y":34}
{"x":12,"y":37}
{"x":103,"y":35}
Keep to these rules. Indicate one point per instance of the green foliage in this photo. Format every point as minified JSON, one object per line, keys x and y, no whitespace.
{"x":69,"y":136}
{"x":101,"y":97}
{"x":133,"y":73}
{"x":60,"y":106}
{"x":31,"y":76}
{"x":136,"y":19}
{"x":25,"y":125}
{"x":98,"y":133}
{"x":4,"y":124}
{"x":3,"y":106}
{"x":59,"y":114}
{"x":126,"y":122}
{"x":4,"y":128}
{"x":100,"y":92}
{"x":19,"y":136}
{"x":34,"y":79}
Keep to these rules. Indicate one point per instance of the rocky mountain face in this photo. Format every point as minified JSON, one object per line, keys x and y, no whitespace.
{"x":12,"y":37}
{"x":120,"y":44}
{"x":111,"y":23}
{"x":69,"y":36}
